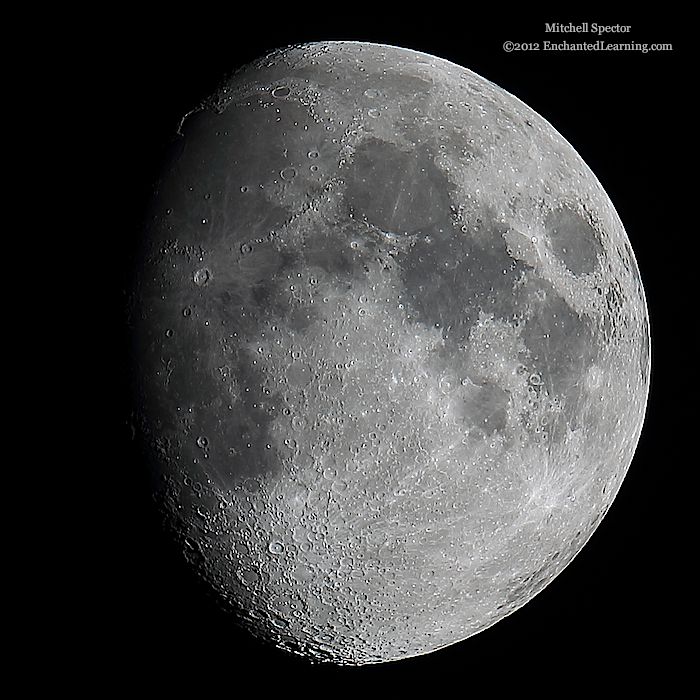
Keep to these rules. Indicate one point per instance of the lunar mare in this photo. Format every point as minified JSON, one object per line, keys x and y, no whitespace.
{"x":392,"y":346}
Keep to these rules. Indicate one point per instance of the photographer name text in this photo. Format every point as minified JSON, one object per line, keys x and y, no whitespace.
{"x":585,"y":28}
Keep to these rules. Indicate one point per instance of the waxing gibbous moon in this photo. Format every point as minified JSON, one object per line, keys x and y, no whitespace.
{"x":392,"y":350}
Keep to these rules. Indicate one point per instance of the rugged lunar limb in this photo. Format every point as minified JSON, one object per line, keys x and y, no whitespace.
{"x":393,"y":350}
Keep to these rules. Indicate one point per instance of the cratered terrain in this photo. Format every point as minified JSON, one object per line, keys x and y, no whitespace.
{"x":392,"y":350}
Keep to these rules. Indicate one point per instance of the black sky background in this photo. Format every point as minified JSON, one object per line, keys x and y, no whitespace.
{"x":614,"y":616}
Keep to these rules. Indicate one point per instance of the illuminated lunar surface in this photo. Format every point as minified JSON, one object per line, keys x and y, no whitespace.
{"x":393,"y":350}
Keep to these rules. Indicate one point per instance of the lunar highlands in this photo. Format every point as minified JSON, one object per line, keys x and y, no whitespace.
{"x":392,"y":350}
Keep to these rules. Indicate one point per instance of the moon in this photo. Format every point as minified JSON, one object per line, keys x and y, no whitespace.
{"x":392,"y":350}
